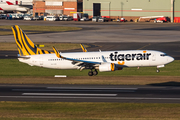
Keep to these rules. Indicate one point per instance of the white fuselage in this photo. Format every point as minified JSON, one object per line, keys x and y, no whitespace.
{"x":129,"y":58}
{"x":6,"y":7}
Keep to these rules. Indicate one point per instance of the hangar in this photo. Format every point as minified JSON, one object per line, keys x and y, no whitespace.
{"x":132,"y":9}
{"x":56,"y":7}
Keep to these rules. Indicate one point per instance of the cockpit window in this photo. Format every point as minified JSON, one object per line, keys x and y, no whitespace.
{"x":163,"y":55}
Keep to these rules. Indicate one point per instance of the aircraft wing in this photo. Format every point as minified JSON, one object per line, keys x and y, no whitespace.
{"x":75,"y":60}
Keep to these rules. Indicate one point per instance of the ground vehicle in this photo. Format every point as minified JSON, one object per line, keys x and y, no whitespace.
{"x":77,"y":16}
{"x":161,"y":20}
{"x":2,"y":16}
{"x":61,"y":18}
{"x":51,"y":18}
{"x":84,"y":19}
{"x":28,"y":18}
{"x":41,"y":17}
{"x":95,"y":18}
{"x":121,"y":20}
{"x":68,"y":18}
{"x":103,"y":19}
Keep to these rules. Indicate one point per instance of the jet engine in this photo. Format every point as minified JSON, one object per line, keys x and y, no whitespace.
{"x":107,"y":67}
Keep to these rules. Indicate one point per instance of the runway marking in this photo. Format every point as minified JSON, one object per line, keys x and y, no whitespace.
{"x":91,"y":88}
{"x":70,"y":90}
{"x":119,"y":98}
{"x":66,"y":94}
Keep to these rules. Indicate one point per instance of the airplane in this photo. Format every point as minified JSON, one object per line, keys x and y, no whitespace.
{"x":9,"y":7}
{"x":101,"y":60}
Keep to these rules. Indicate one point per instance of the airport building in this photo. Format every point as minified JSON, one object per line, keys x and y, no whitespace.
{"x":56,"y":7}
{"x":132,"y":9}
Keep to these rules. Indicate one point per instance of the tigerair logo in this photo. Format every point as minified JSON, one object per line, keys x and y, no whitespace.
{"x":128,"y":57}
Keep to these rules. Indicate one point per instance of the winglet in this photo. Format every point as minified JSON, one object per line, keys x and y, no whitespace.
{"x":57,"y":53}
{"x":83,"y":48}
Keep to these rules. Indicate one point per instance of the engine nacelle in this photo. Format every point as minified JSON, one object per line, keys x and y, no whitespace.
{"x":107,"y":67}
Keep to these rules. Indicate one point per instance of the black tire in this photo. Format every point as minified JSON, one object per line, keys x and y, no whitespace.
{"x":157,"y":70}
{"x":90,"y":73}
{"x":95,"y":72}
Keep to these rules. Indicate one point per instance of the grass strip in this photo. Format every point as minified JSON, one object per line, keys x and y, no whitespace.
{"x":5,"y":32}
{"x":47,"y":46}
{"x":103,"y":80}
{"x":37,"y":29}
{"x":13,"y":71}
{"x":10,"y":32}
{"x":88,"y":111}
{"x":42,"y":28}
{"x":14,"y":68}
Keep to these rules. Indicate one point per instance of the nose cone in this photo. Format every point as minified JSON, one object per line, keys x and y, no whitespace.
{"x":170,"y":59}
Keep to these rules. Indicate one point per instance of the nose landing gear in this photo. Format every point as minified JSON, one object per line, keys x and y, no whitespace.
{"x":91,"y":73}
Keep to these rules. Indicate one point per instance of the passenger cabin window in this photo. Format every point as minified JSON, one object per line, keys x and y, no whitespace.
{"x":163,"y":55}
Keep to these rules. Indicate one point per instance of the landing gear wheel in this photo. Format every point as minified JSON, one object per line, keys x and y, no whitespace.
{"x":95,"y":72}
{"x":157,"y":70}
{"x":90,"y":73}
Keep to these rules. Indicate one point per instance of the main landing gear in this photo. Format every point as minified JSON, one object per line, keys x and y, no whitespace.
{"x":157,"y":70}
{"x":91,"y":73}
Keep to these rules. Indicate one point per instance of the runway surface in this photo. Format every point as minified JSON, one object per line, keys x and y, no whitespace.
{"x":90,"y":93}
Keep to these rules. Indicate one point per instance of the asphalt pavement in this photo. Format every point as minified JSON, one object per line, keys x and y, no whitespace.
{"x":91,"y":93}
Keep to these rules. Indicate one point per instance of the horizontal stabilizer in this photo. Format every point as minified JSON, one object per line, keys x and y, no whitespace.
{"x":83,"y":48}
{"x":57,"y":53}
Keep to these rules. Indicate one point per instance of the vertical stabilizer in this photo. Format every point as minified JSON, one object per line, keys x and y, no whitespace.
{"x":24,"y":44}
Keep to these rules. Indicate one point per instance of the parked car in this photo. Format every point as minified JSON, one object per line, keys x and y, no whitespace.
{"x":17,"y":16}
{"x":161,"y":20}
{"x":95,"y":18}
{"x":103,"y":19}
{"x":28,"y":18}
{"x":41,"y":17}
{"x":51,"y":18}
{"x":35,"y":18}
{"x":121,"y":20}
{"x":2,"y":16}
{"x":84,"y":19}
{"x":68,"y":18}
{"x":61,"y":18}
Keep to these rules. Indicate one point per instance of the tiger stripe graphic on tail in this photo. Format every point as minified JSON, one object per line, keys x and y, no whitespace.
{"x":24,"y":44}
